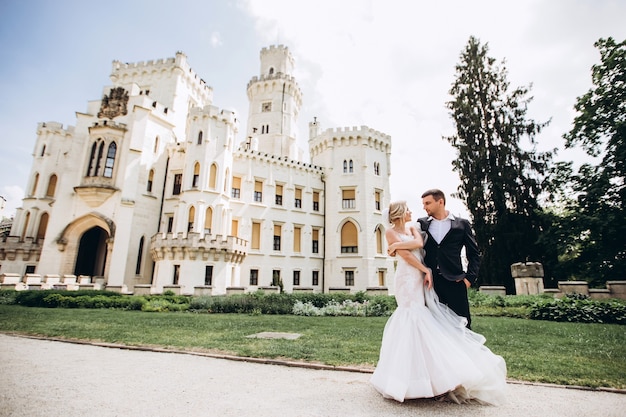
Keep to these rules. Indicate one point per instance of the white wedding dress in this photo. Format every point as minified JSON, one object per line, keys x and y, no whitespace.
{"x":427,"y":351}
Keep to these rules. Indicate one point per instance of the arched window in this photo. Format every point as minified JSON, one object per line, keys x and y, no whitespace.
{"x":379,"y":240}
{"x":108,"y":166}
{"x":345,"y":166}
{"x":33,"y":190}
{"x":349,"y":238}
{"x":150,"y":180}
{"x":52,"y":186}
{"x":376,"y":168}
{"x":43,"y":225}
{"x":200,"y":138}
{"x":208,"y":220}
{"x":96,"y":172}
{"x":196,"y":175}
{"x":213,"y":176}
{"x":271,"y":70}
{"x":351,"y":166}
{"x":139,"y":256}
{"x":26,"y":221}
{"x":190,"y":219}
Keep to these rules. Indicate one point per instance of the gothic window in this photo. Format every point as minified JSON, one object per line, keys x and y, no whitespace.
{"x":271,"y":71}
{"x":379,"y":240}
{"x":345,"y":166}
{"x":349,"y":238}
{"x":52,"y":186}
{"x":43,"y":225}
{"x":196,"y":175}
{"x":108,"y":166}
{"x":212,"y":176}
{"x":191,"y":218}
{"x":351,"y":167}
{"x":200,"y":138}
{"x":98,"y":159}
{"x":139,"y":256}
{"x":150,"y":180}
{"x":208,"y":220}
{"x":178,"y":180}
{"x":33,"y":190}
{"x":376,"y":168}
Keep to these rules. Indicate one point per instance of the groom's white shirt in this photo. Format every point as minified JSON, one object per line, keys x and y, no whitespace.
{"x":439,"y":228}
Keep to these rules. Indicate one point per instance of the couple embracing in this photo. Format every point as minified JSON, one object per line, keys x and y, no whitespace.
{"x":428,"y":349}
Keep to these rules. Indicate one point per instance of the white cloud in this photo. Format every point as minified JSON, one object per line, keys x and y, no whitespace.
{"x":216,"y":39}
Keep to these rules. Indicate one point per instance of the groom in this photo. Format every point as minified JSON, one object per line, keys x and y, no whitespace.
{"x":447,"y":235}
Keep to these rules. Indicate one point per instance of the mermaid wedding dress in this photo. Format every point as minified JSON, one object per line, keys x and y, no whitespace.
{"x":427,"y":351}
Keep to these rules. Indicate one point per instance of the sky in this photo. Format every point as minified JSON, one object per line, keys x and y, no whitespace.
{"x":385,"y":64}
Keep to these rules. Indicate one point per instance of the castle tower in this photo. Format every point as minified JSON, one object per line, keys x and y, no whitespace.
{"x":357,"y":168}
{"x":275,"y":100}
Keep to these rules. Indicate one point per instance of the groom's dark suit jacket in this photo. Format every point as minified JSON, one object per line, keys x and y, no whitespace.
{"x":445,"y":257}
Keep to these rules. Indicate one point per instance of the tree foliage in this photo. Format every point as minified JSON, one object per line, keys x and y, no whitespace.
{"x":596,"y":213}
{"x":500,"y":181}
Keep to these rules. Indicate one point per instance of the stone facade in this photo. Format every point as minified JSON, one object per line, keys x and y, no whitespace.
{"x":153,"y":190}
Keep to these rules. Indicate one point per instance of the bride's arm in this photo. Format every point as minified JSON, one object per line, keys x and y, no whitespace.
{"x":407,"y":255}
{"x":416,"y":243}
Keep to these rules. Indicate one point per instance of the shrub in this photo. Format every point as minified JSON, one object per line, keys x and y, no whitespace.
{"x":8,"y":297}
{"x":580,"y":309}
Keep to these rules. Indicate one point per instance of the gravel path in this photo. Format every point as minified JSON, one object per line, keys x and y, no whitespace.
{"x":52,"y":378}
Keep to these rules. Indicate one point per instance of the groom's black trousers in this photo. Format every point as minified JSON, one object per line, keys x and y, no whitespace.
{"x":454,"y":295}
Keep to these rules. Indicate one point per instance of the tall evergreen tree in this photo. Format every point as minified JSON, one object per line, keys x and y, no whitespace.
{"x":500,"y":182}
{"x":598,"y":213}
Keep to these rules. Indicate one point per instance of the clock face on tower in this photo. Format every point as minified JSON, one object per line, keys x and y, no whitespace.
{"x":266,"y":106}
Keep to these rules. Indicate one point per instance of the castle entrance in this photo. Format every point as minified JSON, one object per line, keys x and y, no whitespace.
{"x":92,"y":252}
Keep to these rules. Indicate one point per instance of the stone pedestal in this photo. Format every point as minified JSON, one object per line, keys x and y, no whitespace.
{"x":376,"y":291}
{"x":202,"y":290}
{"x":599,"y":294}
{"x":176,"y":289}
{"x":10,"y":278}
{"x":142,"y":289}
{"x":528,"y":277}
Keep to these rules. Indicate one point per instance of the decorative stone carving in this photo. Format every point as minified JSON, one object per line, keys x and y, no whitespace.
{"x":115,"y":104}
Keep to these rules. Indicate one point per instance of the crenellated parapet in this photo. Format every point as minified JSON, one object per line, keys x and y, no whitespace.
{"x":272,"y":83}
{"x":349,"y":136}
{"x":213,"y":112}
{"x":139,"y":72}
{"x":196,"y":246}
{"x":278,"y":161}
{"x":54,"y":128}
{"x":14,"y":247}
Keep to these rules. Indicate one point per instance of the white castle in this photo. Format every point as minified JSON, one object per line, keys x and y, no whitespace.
{"x":152,"y":191}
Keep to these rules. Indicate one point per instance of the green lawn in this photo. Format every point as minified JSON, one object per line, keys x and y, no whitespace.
{"x":564,"y":353}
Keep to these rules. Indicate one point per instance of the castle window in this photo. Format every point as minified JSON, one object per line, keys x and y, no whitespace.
{"x":92,"y":159}
{"x":234,"y":228}
{"x":349,"y":238}
{"x":213,"y":176}
{"x":349,"y":276}
{"x":377,"y":200}
{"x":379,"y":240}
{"x":108,"y":165}
{"x":196,"y":175}
{"x":296,"y":277}
{"x":96,"y":171}
{"x":298,"y":199}
{"x":316,"y":241}
{"x":279,"y":195}
{"x":176,"y":274}
{"x":376,"y":168}
{"x":258,"y":191}
{"x":316,"y":201}
{"x":150,"y":180}
{"x":52,"y":185}
{"x":43,"y":225}
{"x":277,"y":237}
{"x":315,"y":278}
{"x":208,"y":220}
{"x":200,"y":138}
{"x":345,"y":166}
{"x":170,"y":224}
{"x":255,"y":243}
{"x":139,"y":256}
{"x":191,"y":218}
{"x":208,"y":275}
{"x":297,"y":232}
{"x":236,"y":188}
{"x":348,"y":199}
{"x":254,"y":277}
{"x":271,"y":71}
{"x":178,"y":180}
{"x":33,"y":190}
{"x":266,"y":107}
{"x":43,"y":150}
{"x":381,"y":277}
{"x":351,"y":167}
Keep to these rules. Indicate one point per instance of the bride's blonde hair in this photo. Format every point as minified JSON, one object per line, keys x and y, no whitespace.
{"x":397,"y":209}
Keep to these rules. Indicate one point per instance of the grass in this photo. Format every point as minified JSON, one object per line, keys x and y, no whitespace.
{"x":592,"y":355}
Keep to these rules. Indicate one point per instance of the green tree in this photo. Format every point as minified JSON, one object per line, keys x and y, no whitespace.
{"x":500,"y":182}
{"x":597,"y":213}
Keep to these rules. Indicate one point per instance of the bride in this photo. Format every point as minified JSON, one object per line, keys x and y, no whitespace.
{"x":426,"y":349}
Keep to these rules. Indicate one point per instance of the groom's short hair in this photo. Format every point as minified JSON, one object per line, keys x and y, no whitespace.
{"x":436,"y":193}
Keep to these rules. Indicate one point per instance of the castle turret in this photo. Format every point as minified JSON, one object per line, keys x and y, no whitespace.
{"x":275,"y":101}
